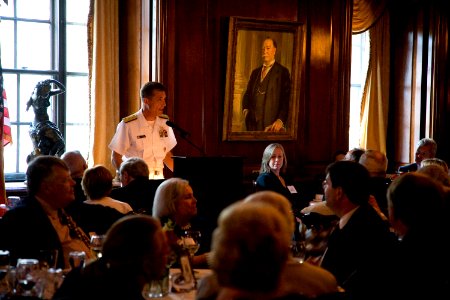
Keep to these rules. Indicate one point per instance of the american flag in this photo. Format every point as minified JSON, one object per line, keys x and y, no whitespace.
{"x":4,"y":113}
{"x":5,"y":134}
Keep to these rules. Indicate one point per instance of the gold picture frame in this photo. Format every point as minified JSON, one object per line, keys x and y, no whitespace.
{"x":244,"y":59}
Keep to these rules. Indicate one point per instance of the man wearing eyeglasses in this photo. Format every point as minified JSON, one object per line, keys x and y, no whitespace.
{"x":426,"y":148}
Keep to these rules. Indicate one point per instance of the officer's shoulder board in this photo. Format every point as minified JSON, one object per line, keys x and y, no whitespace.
{"x":130,"y":118}
{"x":163,"y":116}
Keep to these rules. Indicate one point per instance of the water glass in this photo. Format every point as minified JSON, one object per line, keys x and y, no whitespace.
{"x":157,"y":288}
{"x":77,"y":259}
{"x":298,"y":250}
{"x":97,"y":244}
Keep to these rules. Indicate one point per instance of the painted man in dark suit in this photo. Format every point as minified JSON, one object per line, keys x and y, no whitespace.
{"x":266,"y":102}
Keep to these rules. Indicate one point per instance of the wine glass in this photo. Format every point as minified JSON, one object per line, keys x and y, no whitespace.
{"x":97,"y":244}
{"x":191,"y":241}
{"x":298,"y":250}
{"x":27,"y":274}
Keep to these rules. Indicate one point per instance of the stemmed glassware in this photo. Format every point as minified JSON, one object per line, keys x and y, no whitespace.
{"x":97,"y":244}
{"x":27,"y":273}
{"x":191,"y":241}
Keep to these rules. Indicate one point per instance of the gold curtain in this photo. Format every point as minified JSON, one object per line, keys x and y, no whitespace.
{"x":375,"y":101}
{"x":103,"y":43}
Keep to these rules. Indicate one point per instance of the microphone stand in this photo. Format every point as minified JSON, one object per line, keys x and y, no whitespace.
{"x":185,"y":135}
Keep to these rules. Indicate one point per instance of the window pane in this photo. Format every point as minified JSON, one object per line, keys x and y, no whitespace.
{"x":77,"y":138}
{"x":7,"y":43}
{"x":77,"y":11}
{"x":33,"y":9}
{"x":77,"y":49}
{"x":26,"y":146}
{"x":7,"y":10}
{"x":77,"y":104}
{"x":34,"y":50}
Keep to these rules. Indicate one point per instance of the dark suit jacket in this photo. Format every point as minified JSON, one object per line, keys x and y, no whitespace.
{"x":270,"y":182}
{"x":408,"y":168}
{"x":358,"y":254}
{"x":139,"y":193}
{"x":26,"y":230}
{"x":276,"y":98}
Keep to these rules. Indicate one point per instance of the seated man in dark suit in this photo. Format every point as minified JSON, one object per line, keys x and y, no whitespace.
{"x":39,"y":223}
{"x":360,"y":246}
{"x":137,"y":189}
{"x":426,"y":148}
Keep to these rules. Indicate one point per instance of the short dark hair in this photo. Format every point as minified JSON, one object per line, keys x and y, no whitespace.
{"x":148,"y":88}
{"x":97,"y":182}
{"x":273,"y":41}
{"x":40,"y":169}
{"x":352,"y":177}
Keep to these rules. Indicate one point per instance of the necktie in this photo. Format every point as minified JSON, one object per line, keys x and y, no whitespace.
{"x":264,"y":72}
{"x":74,"y":228}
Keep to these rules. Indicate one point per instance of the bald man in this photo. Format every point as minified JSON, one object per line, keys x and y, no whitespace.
{"x":77,"y":165}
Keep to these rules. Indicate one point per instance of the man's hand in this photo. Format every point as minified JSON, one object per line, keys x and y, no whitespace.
{"x":277,"y":126}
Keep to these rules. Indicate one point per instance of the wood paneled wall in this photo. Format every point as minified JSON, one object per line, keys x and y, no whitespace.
{"x":195,"y":66}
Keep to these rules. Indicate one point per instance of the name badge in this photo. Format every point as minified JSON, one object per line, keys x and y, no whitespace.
{"x":141,"y":136}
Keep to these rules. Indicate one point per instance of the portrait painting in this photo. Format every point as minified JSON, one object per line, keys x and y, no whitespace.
{"x":263,"y":90}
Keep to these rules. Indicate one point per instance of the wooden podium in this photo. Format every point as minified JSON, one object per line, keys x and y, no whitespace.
{"x":217,"y":182}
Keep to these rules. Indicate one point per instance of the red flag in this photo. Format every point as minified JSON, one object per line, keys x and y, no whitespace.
{"x":7,"y":138}
{"x":5,"y":135}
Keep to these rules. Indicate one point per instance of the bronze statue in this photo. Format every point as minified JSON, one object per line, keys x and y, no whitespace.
{"x":45,"y":135}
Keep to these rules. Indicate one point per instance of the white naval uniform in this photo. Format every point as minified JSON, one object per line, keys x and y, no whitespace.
{"x":135,"y":137}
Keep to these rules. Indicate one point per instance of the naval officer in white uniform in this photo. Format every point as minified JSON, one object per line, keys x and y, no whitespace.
{"x":145,"y":133}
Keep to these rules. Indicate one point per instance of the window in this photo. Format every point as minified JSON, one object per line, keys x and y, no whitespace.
{"x":360,"y":61}
{"x":43,"y":39}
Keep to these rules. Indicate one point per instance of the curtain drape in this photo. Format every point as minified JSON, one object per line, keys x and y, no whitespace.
{"x":103,"y":43}
{"x":375,"y":101}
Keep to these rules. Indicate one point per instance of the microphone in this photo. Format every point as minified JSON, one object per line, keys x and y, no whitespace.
{"x":183,"y":132}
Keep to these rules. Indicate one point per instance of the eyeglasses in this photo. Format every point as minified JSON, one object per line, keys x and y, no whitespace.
{"x":423,"y":153}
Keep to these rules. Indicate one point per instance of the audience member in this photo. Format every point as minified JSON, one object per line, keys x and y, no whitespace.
{"x":137,"y":189}
{"x":358,"y":248}
{"x":249,"y":251}
{"x":40,"y":223}
{"x":434,"y":161}
{"x":339,"y":155}
{"x":134,"y":253}
{"x":176,"y":207}
{"x":420,"y":264}
{"x":77,"y":165}
{"x":273,"y":163}
{"x":426,"y":148}
{"x":354,"y":154}
{"x":436,"y":172}
{"x":97,"y":185}
{"x":304,"y":279}
{"x":376,"y":163}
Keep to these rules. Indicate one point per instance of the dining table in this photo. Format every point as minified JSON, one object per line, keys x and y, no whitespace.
{"x":199,"y":274}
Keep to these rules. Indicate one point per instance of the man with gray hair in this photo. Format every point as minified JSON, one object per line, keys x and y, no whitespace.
{"x":426,"y":148}
{"x":137,"y":189}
